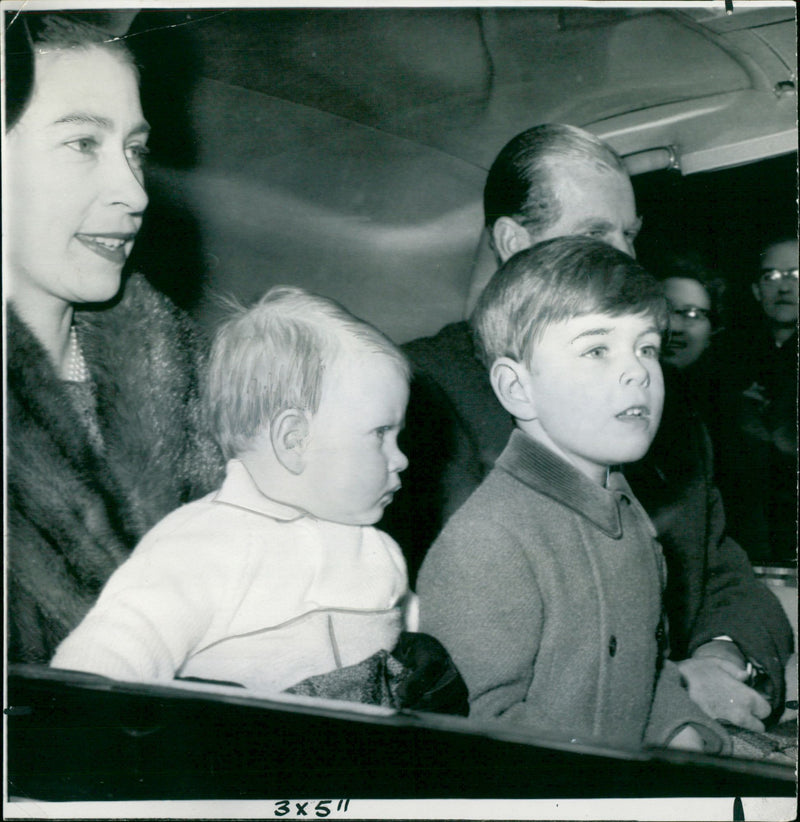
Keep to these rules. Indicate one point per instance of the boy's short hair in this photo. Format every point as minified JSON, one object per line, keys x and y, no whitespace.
{"x":272,"y":357}
{"x":555,"y":281}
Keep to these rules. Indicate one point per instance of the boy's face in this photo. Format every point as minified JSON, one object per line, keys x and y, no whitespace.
{"x":353,"y":463}
{"x":596,"y":389}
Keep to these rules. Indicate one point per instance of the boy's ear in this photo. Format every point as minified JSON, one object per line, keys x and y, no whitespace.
{"x":509,"y":237}
{"x":512,"y":387}
{"x":289,"y":435}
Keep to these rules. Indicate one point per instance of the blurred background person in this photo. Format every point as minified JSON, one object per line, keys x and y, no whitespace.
{"x":690,"y":357}
{"x":695,"y":296}
{"x":758,"y":454}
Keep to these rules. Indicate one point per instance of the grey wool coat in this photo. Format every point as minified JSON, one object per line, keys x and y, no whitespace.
{"x":546,"y":590}
{"x":76,"y":512}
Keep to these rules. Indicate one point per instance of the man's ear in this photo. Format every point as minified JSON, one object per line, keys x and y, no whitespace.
{"x":509,"y":237}
{"x":756,"y":292}
{"x":511,"y":385}
{"x":289,"y":435}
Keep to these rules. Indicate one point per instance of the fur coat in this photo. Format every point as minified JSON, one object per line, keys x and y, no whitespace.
{"x":75,"y":513}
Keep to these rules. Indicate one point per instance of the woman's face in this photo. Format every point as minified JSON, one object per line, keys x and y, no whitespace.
{"x":74,"y":171}
{"x":689,"y":324}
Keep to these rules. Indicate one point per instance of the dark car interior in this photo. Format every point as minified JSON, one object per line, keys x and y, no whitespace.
{"x":344,"y":149}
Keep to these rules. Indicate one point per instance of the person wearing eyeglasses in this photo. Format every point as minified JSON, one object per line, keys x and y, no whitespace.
{"x":775,"y":290}
{"x":694,"y":294}
{"x":759,"y":462}
{"x":690,"y":326}
{"x":690,"y":359}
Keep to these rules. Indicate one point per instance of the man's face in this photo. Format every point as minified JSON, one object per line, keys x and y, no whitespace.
{"x":594,"y":203}
{"x":778,"y":297}
{"x":596,"y":389}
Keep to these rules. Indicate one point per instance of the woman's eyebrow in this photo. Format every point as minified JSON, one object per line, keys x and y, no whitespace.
{"x":83,"y":118}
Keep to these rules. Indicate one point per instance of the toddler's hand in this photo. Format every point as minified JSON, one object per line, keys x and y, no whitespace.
{"x":687,"y":739}
{"x":717,"y":686}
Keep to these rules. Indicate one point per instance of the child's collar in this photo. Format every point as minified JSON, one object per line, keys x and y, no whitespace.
{"x":539,"y":468}
{"x":240,"y":490}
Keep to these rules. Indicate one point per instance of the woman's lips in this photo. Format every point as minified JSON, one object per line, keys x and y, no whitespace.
{"x":111,"y":247}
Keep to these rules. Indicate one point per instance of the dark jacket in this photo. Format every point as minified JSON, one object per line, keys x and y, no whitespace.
{"x":758,"y":458}
{"x":456,"y":429}
{"x":76,"y":511}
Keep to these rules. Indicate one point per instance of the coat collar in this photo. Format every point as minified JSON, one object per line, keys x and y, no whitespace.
{"x":239,"y":490}
{"x":539,"y":468}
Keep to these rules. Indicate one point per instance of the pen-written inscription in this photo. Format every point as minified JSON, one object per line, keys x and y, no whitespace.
{"x":320,"y":808}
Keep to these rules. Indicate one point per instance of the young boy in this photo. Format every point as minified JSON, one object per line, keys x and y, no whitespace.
{"x":278,"y":575}
{"x":545,"y":586}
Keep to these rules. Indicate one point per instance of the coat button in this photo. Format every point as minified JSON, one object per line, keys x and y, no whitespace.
{"x":612,"y":645}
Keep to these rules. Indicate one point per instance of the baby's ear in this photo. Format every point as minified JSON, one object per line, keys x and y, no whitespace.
{"x":289,"y":434}
{"x":511,"y":385}
{"x":509,"y":237}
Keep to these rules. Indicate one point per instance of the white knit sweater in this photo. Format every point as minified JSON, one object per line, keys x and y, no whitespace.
{"x":240,"y":588}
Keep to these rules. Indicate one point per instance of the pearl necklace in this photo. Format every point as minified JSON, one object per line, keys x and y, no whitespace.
{"x":78,"y":371}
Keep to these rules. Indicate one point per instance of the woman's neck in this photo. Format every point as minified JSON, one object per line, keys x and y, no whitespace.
{"x":50,"y":319}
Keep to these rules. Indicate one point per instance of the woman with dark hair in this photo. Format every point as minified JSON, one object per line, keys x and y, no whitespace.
{"x":104,"y":436}
{"x":695,"y":295}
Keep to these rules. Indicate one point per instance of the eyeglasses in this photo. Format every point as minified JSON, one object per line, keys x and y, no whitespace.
{"x":692,"y":313}
{"x":775,"y":275}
